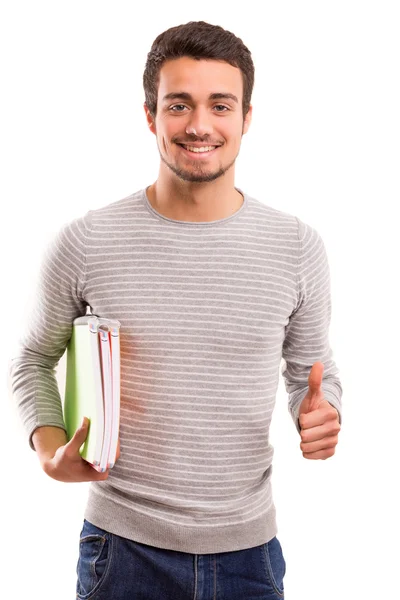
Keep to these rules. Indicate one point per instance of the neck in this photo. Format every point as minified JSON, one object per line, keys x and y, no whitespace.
{"x":190,"y":201}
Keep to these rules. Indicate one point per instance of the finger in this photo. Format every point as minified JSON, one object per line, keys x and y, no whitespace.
{"x":79,"y":437}
{"x":321,"y":455}
{"x":315,"y":386}
{"x":325,"y":443}
{"x":325,"y":412}
{"x":319,"y":433}
{"x":93,"y":473}
{"x":118,"y":454}
{"x":102,"y":476}
{"x":315,"y":402}
{"x":315,"y":378}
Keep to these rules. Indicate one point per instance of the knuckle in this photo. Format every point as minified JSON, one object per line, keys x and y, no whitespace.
{"x":66,"y":453}
{"x":333,"y":429}
{"x":330,"y":452}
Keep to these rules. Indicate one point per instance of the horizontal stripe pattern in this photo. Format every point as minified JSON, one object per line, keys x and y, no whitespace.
{"x":208,"y":311}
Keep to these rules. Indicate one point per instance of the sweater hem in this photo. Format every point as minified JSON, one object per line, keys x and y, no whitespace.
{"x":127,"y":523}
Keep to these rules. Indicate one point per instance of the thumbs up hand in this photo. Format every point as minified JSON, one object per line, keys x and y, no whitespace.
{"x":319,"y":420}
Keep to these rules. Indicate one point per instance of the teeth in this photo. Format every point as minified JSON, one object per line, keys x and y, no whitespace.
{"x":203,"y":149}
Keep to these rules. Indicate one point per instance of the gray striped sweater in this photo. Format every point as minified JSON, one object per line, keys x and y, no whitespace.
{"x":208,"y":310}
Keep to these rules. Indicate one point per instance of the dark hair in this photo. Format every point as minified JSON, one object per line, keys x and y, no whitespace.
{"x":198,"y":40}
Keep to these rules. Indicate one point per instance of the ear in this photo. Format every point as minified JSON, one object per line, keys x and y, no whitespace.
{"x":247,"y":119}
{"x":150,"y":119}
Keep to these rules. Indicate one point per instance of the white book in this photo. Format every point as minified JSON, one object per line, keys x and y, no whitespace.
{"x":96,"y":366}
{"x":105,"y":350}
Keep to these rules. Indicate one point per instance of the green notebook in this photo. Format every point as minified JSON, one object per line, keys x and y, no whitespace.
{"x":92,"y":387}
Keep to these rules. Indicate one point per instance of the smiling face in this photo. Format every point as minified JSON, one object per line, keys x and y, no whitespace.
{"x":199,"y":122}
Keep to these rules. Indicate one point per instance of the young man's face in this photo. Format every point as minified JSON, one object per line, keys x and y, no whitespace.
{"x":199,"y":122}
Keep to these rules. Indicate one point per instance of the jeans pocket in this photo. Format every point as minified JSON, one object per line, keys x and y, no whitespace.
{"x":95,"y":550}
{"x":275,"y":564}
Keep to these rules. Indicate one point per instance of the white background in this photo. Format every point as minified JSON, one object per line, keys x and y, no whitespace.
{"x":323,"y":145}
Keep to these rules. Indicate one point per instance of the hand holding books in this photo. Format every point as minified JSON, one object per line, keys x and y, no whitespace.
{"x":67,"y":463}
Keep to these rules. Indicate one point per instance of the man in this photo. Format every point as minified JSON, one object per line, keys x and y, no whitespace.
{"x":212,"y":289}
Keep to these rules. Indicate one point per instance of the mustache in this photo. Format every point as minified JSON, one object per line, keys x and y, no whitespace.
{"x":197,"y":139}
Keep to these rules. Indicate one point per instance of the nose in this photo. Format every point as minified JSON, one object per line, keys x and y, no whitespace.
{"x":199,"y":122}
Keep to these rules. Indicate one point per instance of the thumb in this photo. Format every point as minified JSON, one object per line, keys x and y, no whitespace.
{"x":79,"y":436}
{"x":315,"y":378}
{"x":118,"y":451}
{"x":314,"y":395}
{"x":315,"y":386}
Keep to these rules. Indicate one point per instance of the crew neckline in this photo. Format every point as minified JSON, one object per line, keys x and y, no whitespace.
{"x":195,"y":223}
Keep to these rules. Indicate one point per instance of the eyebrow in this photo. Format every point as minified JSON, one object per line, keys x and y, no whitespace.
{"x":215,"y":96}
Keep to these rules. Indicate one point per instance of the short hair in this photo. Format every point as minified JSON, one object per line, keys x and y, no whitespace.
{"x":201,"y":41}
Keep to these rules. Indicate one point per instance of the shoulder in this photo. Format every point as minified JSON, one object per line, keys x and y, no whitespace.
{"x":118,"y":208}
{"x":285,"y":221}
{"x":81,"y":226}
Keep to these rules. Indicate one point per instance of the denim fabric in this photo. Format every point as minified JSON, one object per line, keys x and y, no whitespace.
{"x":111,"y":567}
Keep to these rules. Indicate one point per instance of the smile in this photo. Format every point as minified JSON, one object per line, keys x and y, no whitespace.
{"x":200,"y":151}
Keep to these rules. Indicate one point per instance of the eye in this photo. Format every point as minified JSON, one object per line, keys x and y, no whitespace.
{"x":177,"y":106}
{"x":225,"y":108}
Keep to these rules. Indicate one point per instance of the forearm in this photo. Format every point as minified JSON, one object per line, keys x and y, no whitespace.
{"x":307,"y":333}
{"x":58,"y":300}
{"x":47,"y":440}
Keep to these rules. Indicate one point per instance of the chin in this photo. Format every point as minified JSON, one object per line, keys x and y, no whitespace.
{"x":198,"y":177}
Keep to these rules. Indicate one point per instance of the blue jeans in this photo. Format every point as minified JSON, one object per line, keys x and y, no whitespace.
{"x":111,"y":567}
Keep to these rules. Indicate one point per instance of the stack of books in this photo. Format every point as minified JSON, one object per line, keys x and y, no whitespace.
{"x":92,"y":387}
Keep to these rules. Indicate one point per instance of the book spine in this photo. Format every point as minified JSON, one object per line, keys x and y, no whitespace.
{"x":116,"y":391}
{"x":107,"y":393}
{"x":96,"y":362}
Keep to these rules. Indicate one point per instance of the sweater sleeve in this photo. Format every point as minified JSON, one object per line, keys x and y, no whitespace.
{"x":307,"y":333}
{"x":57,"y":302}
